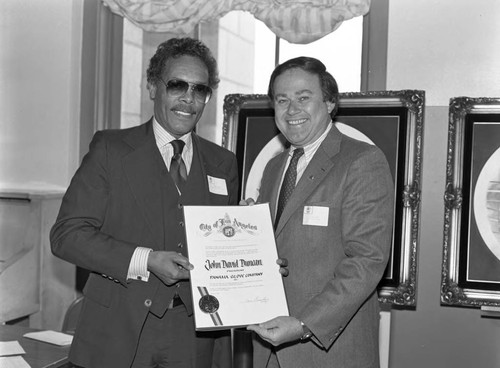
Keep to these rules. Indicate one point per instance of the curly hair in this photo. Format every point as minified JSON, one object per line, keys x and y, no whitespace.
{"x":177,"y":47}
{"x":311,"y":65}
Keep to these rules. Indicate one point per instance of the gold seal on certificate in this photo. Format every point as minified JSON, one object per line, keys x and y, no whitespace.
{"x":235,"y":279}
{"x":209,"y":304}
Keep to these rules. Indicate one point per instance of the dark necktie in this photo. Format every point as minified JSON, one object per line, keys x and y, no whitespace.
{"x":177,"y":165}
{"x":288,"y":183}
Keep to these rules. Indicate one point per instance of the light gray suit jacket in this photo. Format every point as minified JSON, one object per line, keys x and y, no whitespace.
{"x":334,"y":269}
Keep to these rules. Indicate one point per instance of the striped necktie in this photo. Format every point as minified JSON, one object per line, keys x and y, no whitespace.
{"x":288,"y":183}
{"x":177,"y":165}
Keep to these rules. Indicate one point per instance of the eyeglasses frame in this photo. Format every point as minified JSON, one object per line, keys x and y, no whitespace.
{"x":191,"y":87}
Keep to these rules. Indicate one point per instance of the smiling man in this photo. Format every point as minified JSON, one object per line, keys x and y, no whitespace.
{"x":122,"y":219}
{"x":332,"y":200}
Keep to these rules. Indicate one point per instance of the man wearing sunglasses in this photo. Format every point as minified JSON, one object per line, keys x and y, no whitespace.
{"x":122,"y":219}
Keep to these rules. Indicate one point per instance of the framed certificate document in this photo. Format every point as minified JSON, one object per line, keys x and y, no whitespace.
{"x":235,"y":281}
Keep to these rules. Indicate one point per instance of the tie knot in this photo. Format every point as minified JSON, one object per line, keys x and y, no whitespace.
{"x":297,"y":153}
{"x":178,"y":146}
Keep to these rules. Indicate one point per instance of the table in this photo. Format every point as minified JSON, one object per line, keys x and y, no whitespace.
{"x":38,"y":354}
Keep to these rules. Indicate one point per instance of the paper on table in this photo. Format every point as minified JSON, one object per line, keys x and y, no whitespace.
{"x":13,"y":362}
{"x":10,"y":348}
{"x":51,"y":337}
{"x":235,"y":281}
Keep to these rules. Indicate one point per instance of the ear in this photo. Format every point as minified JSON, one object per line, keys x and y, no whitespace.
{"x":330,"y":105}
{"x":152,"y":91}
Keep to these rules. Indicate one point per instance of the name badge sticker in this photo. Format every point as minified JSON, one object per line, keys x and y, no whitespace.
{"x":315,"y":215}
{"x":217,"y":185}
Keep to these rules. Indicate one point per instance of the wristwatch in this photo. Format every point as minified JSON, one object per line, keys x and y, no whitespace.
{"x":307,"y":332}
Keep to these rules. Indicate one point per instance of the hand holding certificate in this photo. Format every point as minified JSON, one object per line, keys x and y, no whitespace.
{"x":235,"y":281}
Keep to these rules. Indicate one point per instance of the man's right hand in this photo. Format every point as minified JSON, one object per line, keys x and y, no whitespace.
{"x":169,"y":267}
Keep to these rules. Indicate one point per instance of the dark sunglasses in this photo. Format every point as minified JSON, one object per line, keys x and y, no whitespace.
{"x":178,"y":87}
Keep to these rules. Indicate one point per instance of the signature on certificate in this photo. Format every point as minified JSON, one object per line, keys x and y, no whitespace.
{"x":258,"y":299}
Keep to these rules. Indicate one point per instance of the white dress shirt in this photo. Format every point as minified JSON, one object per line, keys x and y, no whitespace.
{"x":304,"y":160}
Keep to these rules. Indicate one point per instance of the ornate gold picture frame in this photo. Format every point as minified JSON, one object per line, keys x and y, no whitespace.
{"x":392,"y":120}
{"x":471,"y":246}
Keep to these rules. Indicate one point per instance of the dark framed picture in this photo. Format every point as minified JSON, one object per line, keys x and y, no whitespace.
{"x":471,"y":246}
{"x":392,"y":120}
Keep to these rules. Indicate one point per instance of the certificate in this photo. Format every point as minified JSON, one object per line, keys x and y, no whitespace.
{"x":235,"y":281}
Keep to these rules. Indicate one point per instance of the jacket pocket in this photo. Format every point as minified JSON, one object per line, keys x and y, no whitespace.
{"x":98,"y":289}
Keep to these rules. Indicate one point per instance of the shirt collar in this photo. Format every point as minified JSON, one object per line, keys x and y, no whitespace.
{"x":163,"y":137}
{"x":311,"y":148}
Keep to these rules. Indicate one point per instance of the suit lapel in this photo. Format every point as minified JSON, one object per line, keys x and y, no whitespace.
{"x":197,"y":153}
{"x":275,"y":184}
{"x":144,"y":168}
{"x":318,"y":168}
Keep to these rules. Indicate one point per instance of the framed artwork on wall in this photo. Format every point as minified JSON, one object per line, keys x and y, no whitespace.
{"x":392,"y":120}
{"x":471,"y":245}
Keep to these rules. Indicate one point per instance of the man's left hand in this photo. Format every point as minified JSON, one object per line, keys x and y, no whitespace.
{"x":279,"y":330}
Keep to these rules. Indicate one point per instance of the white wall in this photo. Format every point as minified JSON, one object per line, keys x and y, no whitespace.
{"x":40,"y":45}
{"x":132,"y":70}
{"x":448,"y":48}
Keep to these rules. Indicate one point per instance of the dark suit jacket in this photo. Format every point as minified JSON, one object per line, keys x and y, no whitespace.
{"x":119,"y":199}
{"x":334,"y":269}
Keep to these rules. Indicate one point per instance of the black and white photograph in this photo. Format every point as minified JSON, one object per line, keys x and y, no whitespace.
{"x":366,"y":131}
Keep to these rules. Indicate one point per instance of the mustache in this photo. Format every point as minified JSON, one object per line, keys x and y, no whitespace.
{"x":184,"y":108}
